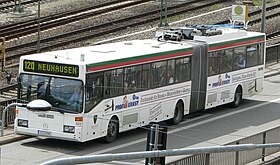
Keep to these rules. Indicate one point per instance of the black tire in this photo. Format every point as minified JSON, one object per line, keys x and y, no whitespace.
{"x":237,"y":98}
{"x":178,"y":114}
{"x":112,"y":130}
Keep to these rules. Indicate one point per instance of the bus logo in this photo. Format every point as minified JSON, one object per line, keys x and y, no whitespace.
{"x":222,"y":81}
{"x":45,"y":126}
{"x":127,"y":104}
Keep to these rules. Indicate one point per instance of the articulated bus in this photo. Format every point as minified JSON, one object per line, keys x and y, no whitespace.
{"x":124,"y":85}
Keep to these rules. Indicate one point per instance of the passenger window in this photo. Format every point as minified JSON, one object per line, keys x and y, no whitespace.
{"x":94,"y":90}
{"x":183,"y":69}
{"x":158,"y":74}
{"x":252,"y":55}
{"x":145,"y":77}
{"x":114,"y":82}
{"x":213,"y":65}
{"x":261,"y":54}
{"x":225,"y":60}
{"x":132,"y":79}
{"x":171,"y":71}
{"x":239,"y":56}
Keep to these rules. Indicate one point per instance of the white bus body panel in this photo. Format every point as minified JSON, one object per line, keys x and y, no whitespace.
{"x":49,"y":124}
{"x":221,"y":88}
{"x":141,"y":108}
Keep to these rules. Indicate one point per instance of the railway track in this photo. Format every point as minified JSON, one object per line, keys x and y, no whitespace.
{"x":8,"y":94}
{"x":106,"y":28}
{"x":16,"y":30}
{"x":275,"y":36}
{"x":49,"y":43}
{"x":103,"y":29}
{"x":8,"y":5}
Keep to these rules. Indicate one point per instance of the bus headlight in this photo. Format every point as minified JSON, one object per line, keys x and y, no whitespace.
{"x":22,"y":123}
{"x":69,"y":129}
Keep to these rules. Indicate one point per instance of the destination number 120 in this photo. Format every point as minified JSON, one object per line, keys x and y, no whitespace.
{"x":28,"y":65}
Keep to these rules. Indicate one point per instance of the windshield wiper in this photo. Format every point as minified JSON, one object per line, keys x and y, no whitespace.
{"x":62,"y":111}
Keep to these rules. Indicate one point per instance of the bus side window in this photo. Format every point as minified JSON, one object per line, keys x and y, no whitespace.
{"x":239,"y":58}
{"x":107,"y":84}
{"x":261,"y":53}
{"x":163,"y":74}
{"x":94,"y":90}
{"x":252,"y":55}
{"x":145,"y":84}
{"x":213,"y":65}
{"x":158,"y":74}
{"x":117,"y":82}
{"x":132,"y":79}
{"x":113,"y":83}
{"x":98,"y":87}
{"x":225,"y":60}
{"x":170,"y":71}
{"x":183,"y":69}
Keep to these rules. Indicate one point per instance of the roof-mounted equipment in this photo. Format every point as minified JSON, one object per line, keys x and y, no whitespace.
{"x":206,"y":31}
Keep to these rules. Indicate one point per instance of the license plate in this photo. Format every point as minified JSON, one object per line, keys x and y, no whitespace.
{"x":48,"y":133}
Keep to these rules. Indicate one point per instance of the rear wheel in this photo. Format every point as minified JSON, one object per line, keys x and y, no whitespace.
{"x":112,"y":130}
{"x":178,"y":114}
{"x":237,"y":98}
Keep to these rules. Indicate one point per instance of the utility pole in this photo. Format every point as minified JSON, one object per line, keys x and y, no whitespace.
{"x":163,"y":13}
{"x":3,"y":60}
{"x":263,"y":16}
{"x":38,"y":38}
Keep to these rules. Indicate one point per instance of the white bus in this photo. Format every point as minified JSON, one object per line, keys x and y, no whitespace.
{"x":125,"y":85}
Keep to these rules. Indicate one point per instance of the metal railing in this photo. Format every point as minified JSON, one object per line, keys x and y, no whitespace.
{"x":237,"y":157}
{"x":9,"y":117}
{"x":204,"y":152}
{"x":5,"y":113}
{"x":273,"y":53}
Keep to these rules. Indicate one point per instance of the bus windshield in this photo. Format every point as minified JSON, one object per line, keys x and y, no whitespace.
{"x":65,"y":95}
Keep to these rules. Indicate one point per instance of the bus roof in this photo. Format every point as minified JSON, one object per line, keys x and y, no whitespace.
{"x":112,"y":55}
{"x":110,"y":52}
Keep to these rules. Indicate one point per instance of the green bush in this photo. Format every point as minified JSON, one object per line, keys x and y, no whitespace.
{"x":259,"y":2}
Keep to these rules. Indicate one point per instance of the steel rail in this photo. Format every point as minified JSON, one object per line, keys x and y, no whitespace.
{"x":19,"y":32}
{"x":30,"y":50}
{"x":8,"y":29}
{"x":105,"y":28}
{"x":11,"y":6}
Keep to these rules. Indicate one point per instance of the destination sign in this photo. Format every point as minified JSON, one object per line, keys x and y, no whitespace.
{"x":51,"y":68}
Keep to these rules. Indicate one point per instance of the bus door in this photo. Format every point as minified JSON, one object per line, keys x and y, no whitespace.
{"x":198,"y":76}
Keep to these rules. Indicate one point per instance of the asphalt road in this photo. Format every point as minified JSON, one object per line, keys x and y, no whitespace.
{"x":212,"y":127}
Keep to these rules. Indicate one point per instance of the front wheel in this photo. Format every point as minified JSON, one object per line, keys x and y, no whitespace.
{"x":178,"y":114}
{"x":112,"y":130}
{"x":237,"y":98}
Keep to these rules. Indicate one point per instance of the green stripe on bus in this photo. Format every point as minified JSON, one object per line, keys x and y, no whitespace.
{"x":138,"y":58}
{"x":236,"y":41}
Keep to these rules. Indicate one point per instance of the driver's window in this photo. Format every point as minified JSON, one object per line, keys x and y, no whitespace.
{"x":42,"y":87}
{"x":94,"y":89}
{"x":66,"y":91}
